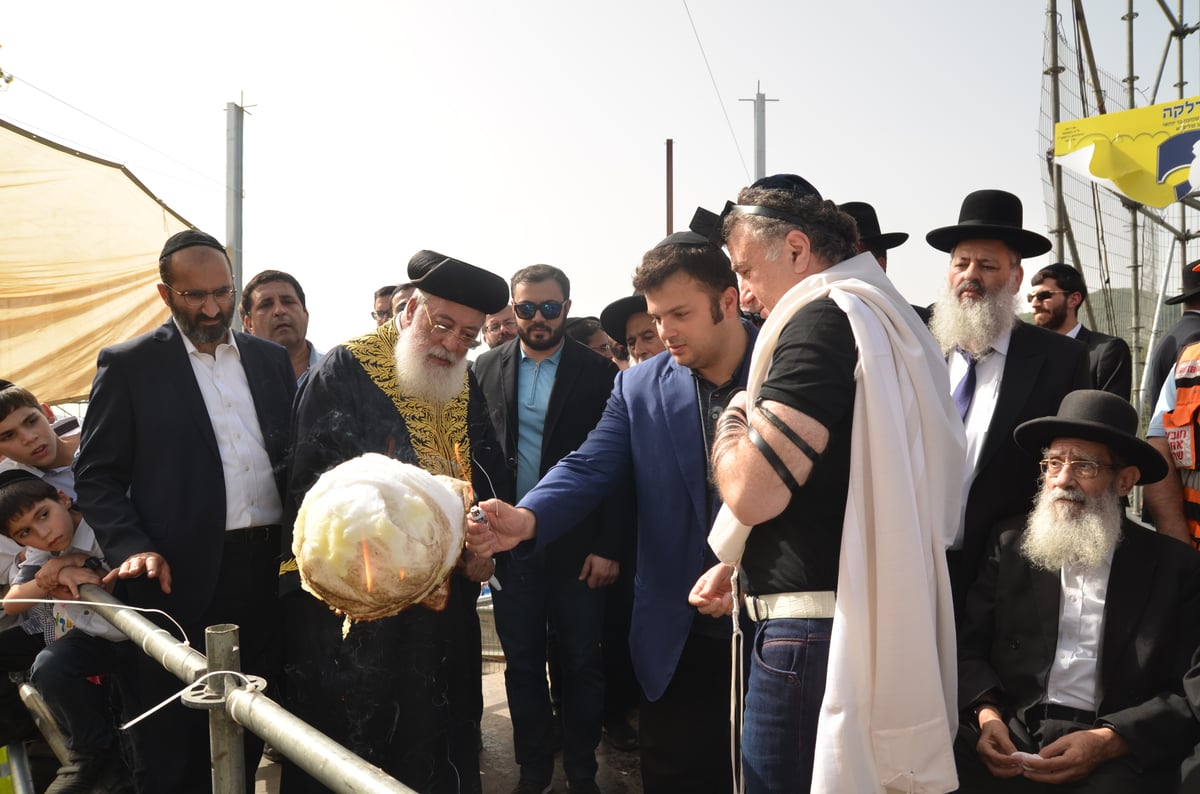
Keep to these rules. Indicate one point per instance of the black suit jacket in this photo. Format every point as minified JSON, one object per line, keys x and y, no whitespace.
{"x":582,"y":384}
{"x":148,"y":473}
{"x":1111,"y":364}
{"x":1008,"y":637}
{"x":1041,"y":368}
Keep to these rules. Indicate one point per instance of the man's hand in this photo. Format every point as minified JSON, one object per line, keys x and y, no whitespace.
{"x":146,"y":563}
{"x":598,"y":571}
{"x":70,"y":578}
{"x":1075,"y":756}
{"x":713,"y":592}
{"x":475,"y":567}
{"x":506,"y":527}
{"x":995,"y":746}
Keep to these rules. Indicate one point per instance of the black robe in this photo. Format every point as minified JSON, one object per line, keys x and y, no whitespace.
{"x":403,"y":692}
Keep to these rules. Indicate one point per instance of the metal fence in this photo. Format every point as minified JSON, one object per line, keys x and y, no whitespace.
{"x":233,"y":706}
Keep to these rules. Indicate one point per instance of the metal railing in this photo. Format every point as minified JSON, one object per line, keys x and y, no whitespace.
{"x":232,"y":705}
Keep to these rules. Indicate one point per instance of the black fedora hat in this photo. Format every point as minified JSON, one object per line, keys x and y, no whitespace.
{"x":990,"y":215}
{"x":1095,"y":415}
{"x":868,"y":226}
{"x":1191,"y":283}
{"x":617,"y":314}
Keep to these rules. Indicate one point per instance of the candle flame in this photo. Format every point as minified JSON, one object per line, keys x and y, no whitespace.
{"x":462,"y":471}
{"x":366,"y":563}
{"x":402,"y":574}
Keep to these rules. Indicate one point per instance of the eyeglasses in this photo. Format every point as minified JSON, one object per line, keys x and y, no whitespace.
{"x":604,"y":349}
{"x":509,"y":324}
{"x":383,"y":315}
{"x":439,"y":330}
{"x":1044,"y":295}
{"x":1083,"y":469}
{"x":527,"y":309}
{"x":197,"y":297}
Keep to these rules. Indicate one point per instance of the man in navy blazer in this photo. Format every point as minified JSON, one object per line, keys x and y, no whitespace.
{"x":180,"y":474}
{"x":656,"y":428}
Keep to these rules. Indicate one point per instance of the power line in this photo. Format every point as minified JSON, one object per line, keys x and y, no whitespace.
{"x":720,"y":101}
{"x":123,"y":133}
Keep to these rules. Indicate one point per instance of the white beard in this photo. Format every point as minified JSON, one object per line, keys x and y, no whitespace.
{"x":972,"y":325}
{"x":418,"y":377}
{"x":1068,"y":527}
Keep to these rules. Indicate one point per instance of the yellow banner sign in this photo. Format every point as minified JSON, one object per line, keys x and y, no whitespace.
{"x":1146,"y":154}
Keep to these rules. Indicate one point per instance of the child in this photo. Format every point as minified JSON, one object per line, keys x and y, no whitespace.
{"x":29,"y":441}
{"x":62,"y":555}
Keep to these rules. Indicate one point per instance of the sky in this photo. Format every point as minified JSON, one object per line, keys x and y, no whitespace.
{"x":533,"y":131}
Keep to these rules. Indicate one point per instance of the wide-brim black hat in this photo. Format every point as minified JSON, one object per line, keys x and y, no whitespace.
{"x":990,"y":215}
{"x":617,"y":314}
{"x":1099,"y":416}
{"x":868,"y":226}
{"x":455,"y":280}
{"x":1191,"y":283}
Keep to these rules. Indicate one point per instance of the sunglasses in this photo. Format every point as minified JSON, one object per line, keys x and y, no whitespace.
{"x":1044,"y":295}
{"x":526,"y":310}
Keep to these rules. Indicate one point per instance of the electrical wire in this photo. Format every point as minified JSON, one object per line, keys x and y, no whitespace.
{"x":720,"y":101}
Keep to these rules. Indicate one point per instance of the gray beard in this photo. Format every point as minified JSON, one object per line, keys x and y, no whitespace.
{"x":418,"y":378}
{"x":1067,"y":527}
{"x":971,"y":325}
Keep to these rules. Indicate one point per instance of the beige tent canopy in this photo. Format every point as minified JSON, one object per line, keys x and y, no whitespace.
{"x":78,"y":262}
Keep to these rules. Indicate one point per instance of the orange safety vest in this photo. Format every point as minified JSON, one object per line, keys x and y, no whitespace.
{"x":1181,"y":426}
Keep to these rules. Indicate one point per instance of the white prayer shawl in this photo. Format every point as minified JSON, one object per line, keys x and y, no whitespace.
{"x":889,"y":715}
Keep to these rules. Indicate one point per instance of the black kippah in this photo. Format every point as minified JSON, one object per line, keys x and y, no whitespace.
{"x":186,"y":239}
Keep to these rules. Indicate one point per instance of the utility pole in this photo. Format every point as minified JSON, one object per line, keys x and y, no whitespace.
{"x":670,"y":185}
{"x":234,"y":118}
{"x":760,"y":130}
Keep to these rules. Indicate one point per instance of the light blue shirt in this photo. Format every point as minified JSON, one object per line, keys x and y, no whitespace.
{"x":535,"y":380}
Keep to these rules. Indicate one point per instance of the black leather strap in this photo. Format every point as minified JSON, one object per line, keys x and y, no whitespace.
{"x":788,"y":432}
{"x":773,"y":459}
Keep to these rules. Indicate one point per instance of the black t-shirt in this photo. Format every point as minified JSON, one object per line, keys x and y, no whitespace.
{"x":812,"y":370}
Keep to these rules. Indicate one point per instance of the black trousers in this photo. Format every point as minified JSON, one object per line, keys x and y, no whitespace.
{"x":171,"y":748}
{"x":685,"y":735}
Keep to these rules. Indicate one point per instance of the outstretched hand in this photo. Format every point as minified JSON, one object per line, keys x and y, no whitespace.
{"x":506,"y":526}
{"x":149,"y":564}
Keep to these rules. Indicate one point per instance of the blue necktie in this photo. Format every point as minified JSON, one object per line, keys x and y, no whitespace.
{"x":965,"y":390}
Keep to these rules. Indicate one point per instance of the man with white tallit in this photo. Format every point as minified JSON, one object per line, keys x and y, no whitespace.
{"x":836,"y":467}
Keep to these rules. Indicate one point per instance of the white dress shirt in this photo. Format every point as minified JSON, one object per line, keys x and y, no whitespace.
{"x":989,"y":371}
{"x":251,"y":495}
{"x":1072,"y":679}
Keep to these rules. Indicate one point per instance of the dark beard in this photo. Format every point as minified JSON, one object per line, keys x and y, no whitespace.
{"x":549,"y":343}
{"x":202,"y":336}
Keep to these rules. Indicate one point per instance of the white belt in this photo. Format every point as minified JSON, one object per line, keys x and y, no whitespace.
{"x":815,"y":604}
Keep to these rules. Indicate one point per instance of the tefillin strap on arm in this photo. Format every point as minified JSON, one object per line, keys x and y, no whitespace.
{"x":791,"y":435}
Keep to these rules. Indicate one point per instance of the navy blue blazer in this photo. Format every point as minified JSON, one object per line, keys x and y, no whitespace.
{"x":149,"y":475}
{"x":650,"y":428}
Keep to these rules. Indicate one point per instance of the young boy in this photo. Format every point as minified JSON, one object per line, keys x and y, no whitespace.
{"x":62,"y":554}
{"x":29,"y":441}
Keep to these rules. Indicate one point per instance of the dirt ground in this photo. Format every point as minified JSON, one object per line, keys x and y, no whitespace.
{"x":618,"y":773}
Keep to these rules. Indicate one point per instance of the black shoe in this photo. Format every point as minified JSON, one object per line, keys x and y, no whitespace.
{"x":621,"y":736}
{"x":88,"y":773}
{"x":583,"y":787}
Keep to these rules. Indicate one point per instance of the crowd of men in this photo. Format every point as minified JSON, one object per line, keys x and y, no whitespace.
{"x":822,"y":539}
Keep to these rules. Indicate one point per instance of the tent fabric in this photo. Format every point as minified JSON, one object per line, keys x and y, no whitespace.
{"x":78,"y":262}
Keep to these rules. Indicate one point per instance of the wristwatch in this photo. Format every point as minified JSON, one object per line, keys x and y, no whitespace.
{"x":94,"y":564}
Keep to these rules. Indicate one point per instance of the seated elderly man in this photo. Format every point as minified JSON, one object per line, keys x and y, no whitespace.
{"x":1082,"y":624}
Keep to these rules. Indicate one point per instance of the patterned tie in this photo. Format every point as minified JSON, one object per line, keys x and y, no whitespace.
{"x":965,"y":390}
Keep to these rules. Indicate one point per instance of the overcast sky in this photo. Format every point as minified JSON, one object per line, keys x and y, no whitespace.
{"x":507,"y":134}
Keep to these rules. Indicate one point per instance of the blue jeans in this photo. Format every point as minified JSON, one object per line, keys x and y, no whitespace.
{"x":534,"y":594}
{"x":783,"y":702}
